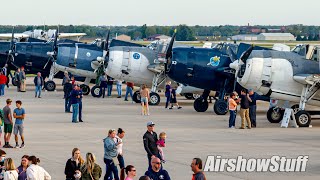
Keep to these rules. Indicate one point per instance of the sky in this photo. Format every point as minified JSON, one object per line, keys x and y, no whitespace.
{"x":160,"y":12}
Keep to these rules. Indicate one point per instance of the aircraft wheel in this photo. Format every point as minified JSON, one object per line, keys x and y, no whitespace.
{"x":220,"y":107}
{"x":95,"y":91}
{"x":154,"y":99}
{"x":50,"y":85}
{"x":188,"y":95}
{"x":136,"y":97}
{"x":275,"y":115}
{"x":303,"y":118}
{"x":85,"y":89}
{"x":195,"y":96}
{"x":13,"y":81}
{"x":200,"y":105}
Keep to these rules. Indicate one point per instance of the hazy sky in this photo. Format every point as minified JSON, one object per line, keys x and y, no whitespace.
{"x":159,"y":12}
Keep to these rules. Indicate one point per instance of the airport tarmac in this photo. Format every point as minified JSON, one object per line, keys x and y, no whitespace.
{"x":50,"y":135}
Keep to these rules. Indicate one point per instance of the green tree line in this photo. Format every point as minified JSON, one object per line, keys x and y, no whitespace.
{"x":184,"y":32}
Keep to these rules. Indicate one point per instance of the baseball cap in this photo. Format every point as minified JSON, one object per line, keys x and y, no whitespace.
{"x":150,"y":123}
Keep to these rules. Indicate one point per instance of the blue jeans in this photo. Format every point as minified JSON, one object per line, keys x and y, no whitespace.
{"x":253,"y":114}
{"x":38,"y":90}
{"x":121,"y":161}
{"x":110,"y":169}
{"x":232,"y":118}
{"x":75,"y":111}
{"x":168,"y":99}
{"x":109,"y":89}
{"x":2,"y":89}
{"x":119,"y":89}
{"x":67,"y":105}
{"x":80,"y":110}
{"x":128,"y":91}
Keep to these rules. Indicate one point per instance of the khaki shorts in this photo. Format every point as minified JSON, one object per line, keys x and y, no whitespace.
{"x":18,"y":128}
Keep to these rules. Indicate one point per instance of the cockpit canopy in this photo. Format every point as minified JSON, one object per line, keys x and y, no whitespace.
{"x":308,"y":51}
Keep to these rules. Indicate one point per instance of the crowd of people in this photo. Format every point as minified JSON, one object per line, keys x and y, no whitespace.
{"x":29,"y":168}
{"x":247,"y":101}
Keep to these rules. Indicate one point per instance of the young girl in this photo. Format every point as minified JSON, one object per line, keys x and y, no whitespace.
{"x":162,"y":143}
{"x":11,"y":172}
{"x":173,"y":99}
{"x":145,"y":96}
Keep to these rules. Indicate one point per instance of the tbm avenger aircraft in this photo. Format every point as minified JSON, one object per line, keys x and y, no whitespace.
{"x":293,"y":77}
{"x":31,"y":54}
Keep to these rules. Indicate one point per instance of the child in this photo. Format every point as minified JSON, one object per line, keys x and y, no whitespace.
{"x":145,"y":96}
{"x":173,"y":98}
{"x":232,"y":110}
{"x":162,"y":143}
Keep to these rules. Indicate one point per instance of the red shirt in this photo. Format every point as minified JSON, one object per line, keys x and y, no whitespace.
{"x":3,"y":79}
{"x":130,"y":84}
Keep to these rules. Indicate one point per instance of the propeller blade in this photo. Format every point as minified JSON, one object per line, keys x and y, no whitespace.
{"x":55,"y":44}
{"x":12,"y":39}
{"x":231,"y":54}
{"x":246,"y":54}
{"x":169,"y":51}
{"x":106,"y":44}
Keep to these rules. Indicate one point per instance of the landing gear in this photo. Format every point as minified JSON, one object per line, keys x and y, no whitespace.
{"x":95,"y":91}
{"x":136,"y":97}
{"x":275,"y":115}
{"x":154,"y":99}
{"x":220,"y":107}
{"x":200,"y":104}
{"x":303,"y":118}
{"x":85,"y":89}
{"x":50,"y":86}
{"x":13,"y":81}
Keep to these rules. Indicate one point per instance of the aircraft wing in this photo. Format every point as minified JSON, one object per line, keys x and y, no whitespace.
{"x":64,"y":35}
{"x":16,"y":35}
{"x":307,"y":78}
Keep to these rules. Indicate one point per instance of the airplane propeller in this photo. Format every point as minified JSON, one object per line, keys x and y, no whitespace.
{"x":102,"y":61}
{"x":231,"y":54}
{"x":169,"y":51}
{"x":10,"y":55}
{"x":53,"y":55}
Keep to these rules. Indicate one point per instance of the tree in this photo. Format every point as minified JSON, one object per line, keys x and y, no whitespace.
{"x":185,"y":33}
{"x":151,"y":31}
{"x":143,"y":30}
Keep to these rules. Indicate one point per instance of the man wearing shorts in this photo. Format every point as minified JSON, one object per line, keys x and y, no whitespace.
{"x":19,"y":113}
{"x":8,"y":124}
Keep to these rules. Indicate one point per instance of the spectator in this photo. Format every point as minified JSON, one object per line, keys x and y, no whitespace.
{"x":145,"y":96}
{"x":129,"y":90}
{"x":3,"y":81}
{"x":173,"y":99}
{"x":23,"y":78}
{"x":90,"y":170}
{"x":168,"y":93}
{"x":2,"y":168}
{"x":117,"y":139}
{"x":232,"y":110}
{"x":119,"y":88}
{"x":72,"y":168}
{"x":36,"y":172}
{"x":19,"y":113}
{"x":22,"y":169}
{"x":144,"y":178}
{"x":67,"y":88}
{"x":162,"y":143}
{"x":196,"y":167}
{"x":103,"y":84}
{"x":8,"y":123}
{"x":110,"y":155}
{"x":11,"y":172}
{"x":244,"y":111}
{"x":17,"y":79}
{"x":73,"y":81}
{"x":253,"y":108}
{"x":130,"y":172}
{"x":6,"y":72}
{"x":80,"y":102}
{"x":109,"y":85}
{"x":156,"y":172}
{"x":150,"y":140}
{"x":74,"y":96}
{"x":38,"y":82}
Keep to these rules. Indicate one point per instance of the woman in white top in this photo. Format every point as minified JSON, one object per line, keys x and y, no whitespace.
{"x":36,"y":172}
{"x":11,"y":172}
{"x":119,"y":138}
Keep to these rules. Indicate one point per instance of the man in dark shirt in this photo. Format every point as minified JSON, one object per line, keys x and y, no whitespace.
{"x":80,"y":102}
{"x":74,"y":96}
{"x":196,"y":167}
{"x":150,"y":139}
{"x":252,"y":108}
{"x":156,"y":172}
{"x":244,"y":110}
